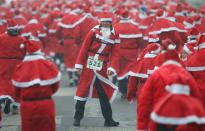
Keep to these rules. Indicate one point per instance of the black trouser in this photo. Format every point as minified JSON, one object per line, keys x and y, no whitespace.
{"x":123,"y":86}
{"x":104,"y":104}
{"x":161,"y":127}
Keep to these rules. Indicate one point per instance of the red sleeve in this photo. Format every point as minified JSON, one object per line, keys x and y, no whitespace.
{"x":145,"y":104}
{"x":82,"y":57}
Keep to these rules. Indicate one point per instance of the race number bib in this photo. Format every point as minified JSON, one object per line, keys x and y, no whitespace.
{"x":94,"y":63}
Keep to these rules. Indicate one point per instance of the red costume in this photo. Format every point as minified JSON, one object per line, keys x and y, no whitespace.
{"x":178,"y":111}
{"x":155,"y":89}
{"x":97,"y":45}
{"x":196,"y":65}
{"x":35,"y":90}
{"x":130,"y":45}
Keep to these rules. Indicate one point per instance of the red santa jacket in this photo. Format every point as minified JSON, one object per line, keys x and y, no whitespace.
{"x":130,"y":45}
{"x":196,"y":66}
{"x":154,"y":90}
{"x":12,"y":52}
{"x":92,"y":44}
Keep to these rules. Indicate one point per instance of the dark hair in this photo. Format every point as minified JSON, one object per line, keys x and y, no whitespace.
{"x":13,"y":32}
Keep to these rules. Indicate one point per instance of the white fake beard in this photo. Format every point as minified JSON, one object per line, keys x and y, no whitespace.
{"x":105,"y":32}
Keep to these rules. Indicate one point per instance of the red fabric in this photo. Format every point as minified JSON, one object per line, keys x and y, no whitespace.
{"x":7,"y":66}
{"x":180,"y":106}
{"x":154,"y":90}
{"x":38,"y":116}
{"x":198,"y":60}
{"x":34,"y":29}
{"x":71,"y":38}
{"x":88,"y":74}
{"x":41,"y":69}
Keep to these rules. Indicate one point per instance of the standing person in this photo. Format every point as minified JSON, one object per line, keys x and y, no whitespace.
{"x":35,"y":89}
{"x":12,"y":52}
{"x":196,"y":65}
{"x":98,"y":52}
{"x":130,"y":46}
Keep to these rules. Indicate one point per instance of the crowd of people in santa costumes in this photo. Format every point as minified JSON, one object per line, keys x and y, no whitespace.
{"x":153,"y":50}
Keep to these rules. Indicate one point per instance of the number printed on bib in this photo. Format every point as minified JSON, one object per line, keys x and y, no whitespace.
{"x":94,"y":64}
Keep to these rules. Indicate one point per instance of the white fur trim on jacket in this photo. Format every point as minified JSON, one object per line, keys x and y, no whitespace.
{"x":33,"y":57}
{"x":107,"y":39}
{"x":166,"y":30}
{"x":172,"y":62}
{"x":177,"y":88}
{"x":78,"y":66}
{"x":196,"y":68}
{"x":80,"y":98}
{"x":187,"y":50}
{"x":140,"y":75}
{"x":177,"y":121}
{"x":37,"y":81}
{"x":127,"y":36}
{"x":70,"y":26}
{"x":202,"y":45}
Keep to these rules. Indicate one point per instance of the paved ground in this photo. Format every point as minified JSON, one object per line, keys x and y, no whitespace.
{"x":93,"y":121}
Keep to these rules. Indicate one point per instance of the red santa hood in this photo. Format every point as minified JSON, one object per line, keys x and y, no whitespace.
{"x":193,"y":33}
{"x":179,"y":109}
{"x":35,"y":69}
{"x":201,"y":42}
{"x":164,"y":25}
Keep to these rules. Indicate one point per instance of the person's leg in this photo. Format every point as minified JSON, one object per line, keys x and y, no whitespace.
{"x":123,"y":87}
{"x":105,"y":105}
{"x":79,"y":112}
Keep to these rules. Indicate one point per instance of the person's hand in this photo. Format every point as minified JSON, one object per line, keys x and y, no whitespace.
{"x":79,"y":71}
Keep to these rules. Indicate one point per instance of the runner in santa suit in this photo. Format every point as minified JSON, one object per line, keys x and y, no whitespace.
{"x":178,"y":111}
{"x":155,"y":89}
{"x":97,"y":54}
{"x":139,"y":70}
{"x":196,"y":65}
{"x":70,"y":37}
{"x":12,"y":52}
{"x":35,"y":89}
{"x":130,"y":46}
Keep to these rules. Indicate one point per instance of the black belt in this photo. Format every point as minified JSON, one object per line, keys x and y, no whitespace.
{"x":37,"y":99}
{"x":16,"y":58}
{"x":102,"y":54}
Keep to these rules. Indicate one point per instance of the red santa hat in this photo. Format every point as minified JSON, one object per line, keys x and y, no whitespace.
{"x":201,"y":42}
{"x":124,"y":13}
{"x":11,"y":24}
{"x":168,"y":44}
{"x":188,"y":23}
{"x":193,"y":33}
{"x":105,"y":18}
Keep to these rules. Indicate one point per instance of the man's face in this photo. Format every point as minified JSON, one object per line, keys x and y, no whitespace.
{"x":105,"y":24}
